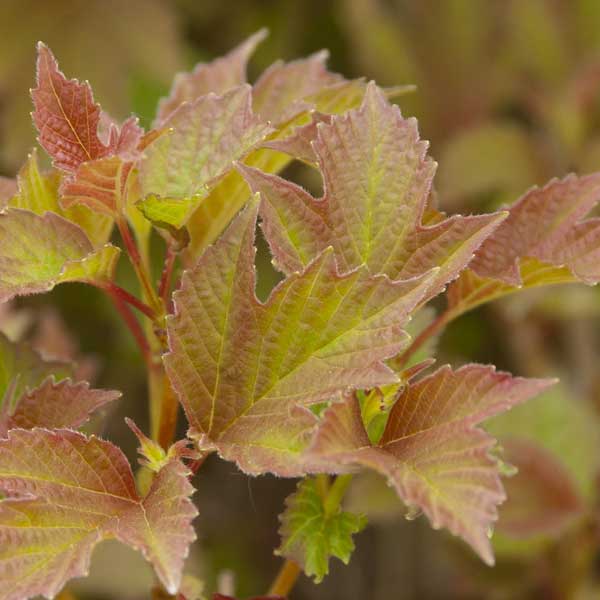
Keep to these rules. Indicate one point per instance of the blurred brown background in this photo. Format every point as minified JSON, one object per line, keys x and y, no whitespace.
{"x":508,"y":93}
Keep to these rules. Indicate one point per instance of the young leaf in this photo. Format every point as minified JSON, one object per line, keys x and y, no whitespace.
{"x":204,"y":138}
{"x":243,"y":369}
{"x":545,"y":240}
{"x":100,"y":185}
{"x":55,"y":405}
{"x":310,"y":535}
{"x":65,"y":115}
{"x":39,"y":252}
{"x":22,"y":370}
{"x":308,"y":86}
{"x":283,"y":91}
{"x":377,"y":178}
{"x":431,"y":451}
{"x":39,"y":192}
{"x":80,"y":490}
{"x":218,"y":77}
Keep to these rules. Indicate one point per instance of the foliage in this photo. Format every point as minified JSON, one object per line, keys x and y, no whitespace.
{"x":321,"y":378}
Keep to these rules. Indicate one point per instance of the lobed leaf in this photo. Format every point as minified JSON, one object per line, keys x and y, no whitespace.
{"x":545,"y":240}
{"x":39,"y":192}
{"x":55,"y":405}
{"x":284,"y":90}
{"x":377,"y":178}
{"x":204,"y":138}
{"x":310,"y":536}
{"x":65,"y":115}
{"x":218,"y":77}
{"x":244,"y":371}
{"x":431,"y":451}
{"x":66,"y":493}
{"x":39,"y":252}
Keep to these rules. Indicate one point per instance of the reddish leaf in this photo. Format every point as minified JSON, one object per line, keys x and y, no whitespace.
{"x":545,"y":240}
{"x":542,"y":496}
{"x":431,"y":451}
{"x":55,"y":405}
{"x":245,"y":371}
{"x":65,"y":115}
{"x":99,"y":184}
{"x":377,"y":178}
{"x":218,"y":77}
{"x":67,"y":492}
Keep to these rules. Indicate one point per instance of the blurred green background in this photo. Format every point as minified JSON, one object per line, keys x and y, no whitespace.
{"x":508,"y":93}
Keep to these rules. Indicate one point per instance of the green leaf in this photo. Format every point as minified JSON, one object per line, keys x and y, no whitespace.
{"x":39,"y":252}
{"x":245,"y":371}
{"x":310,"y":535}
{"x":204,"y":138}
{"x":545,"y":240}
{"x":377,"y":178}
{"x":39,"y":192}
{"x":431,"y":451}
{"x":80,"y":490}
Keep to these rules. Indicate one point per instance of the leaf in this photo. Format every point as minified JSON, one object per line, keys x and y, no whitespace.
{"x":67,"y":492}
{"x":553,"y":442}
{"x":310,"y":535}
{"x":39,"y":192}
{"x":308,"y":86}
{"x":65,"y":115}
{"x":543,"y":499}
{"x":39,"y":252}
{"x":22,"y":370}
{"x":55,"y":405}
{"x":244,"y":371}
{"x":282,"y":92}
{"x":545,"y":240}
{"x":431,"y":451}
{"x":204,"y":138}
{"x":218,"y":77}
{"x":377,"y":179}
{"x":101,"y":185}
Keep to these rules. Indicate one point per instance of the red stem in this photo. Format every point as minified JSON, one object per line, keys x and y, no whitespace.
{"x":133,"y":325}
{"x":136,"y":261}
{"x":167,"y":274}
{"x":122,"y":294}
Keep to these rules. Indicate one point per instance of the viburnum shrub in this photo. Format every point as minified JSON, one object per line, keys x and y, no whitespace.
{"x":317,"y":382}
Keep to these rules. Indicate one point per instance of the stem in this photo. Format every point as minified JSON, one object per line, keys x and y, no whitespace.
{"x":138,"y":265}
{"x":165,"y":280}
{"x":169,"y":409}
{"x":117,"y":290}
{"x":434,"y":327}
{"x":336,"y":493}
{"x":286,"y":579}
{"x":134,"y":327}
